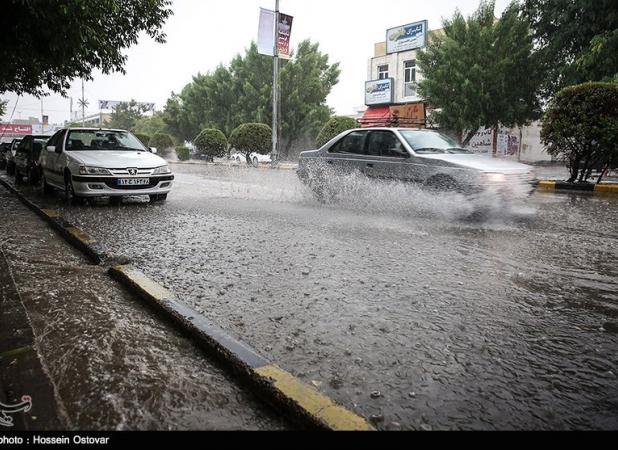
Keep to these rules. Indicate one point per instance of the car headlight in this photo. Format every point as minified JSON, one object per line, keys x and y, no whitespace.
{"x":162,"y":170}
{"x":87,"y":170}
{"x":495,"y":177}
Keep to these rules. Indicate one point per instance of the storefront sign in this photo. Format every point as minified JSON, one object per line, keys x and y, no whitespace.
{"x":379,"y":92}
{"x":15,"y":130}
{"x":406,"y":37}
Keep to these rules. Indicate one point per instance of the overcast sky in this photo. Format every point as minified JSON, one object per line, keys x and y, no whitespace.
{"x":203,"y":34}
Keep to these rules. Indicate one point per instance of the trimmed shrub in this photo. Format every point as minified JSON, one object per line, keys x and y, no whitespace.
{"x":144,"y":138}
{"x":211,"y":142}
{"x":581,"y":125}
{"x":252,"y":137}
{"x":162,"y":142}
{"x":183,"y":153}
{"x":333,"y":127}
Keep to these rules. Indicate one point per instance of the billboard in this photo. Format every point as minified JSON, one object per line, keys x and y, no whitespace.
{"x":406,"y":37}
{"x":111,"y":104}
{"x":266,"y":36}
{"x":379,"y":92}
{"x":283,"y":39}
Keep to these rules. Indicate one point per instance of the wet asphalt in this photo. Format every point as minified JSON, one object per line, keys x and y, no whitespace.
{"x":390,"y":300}
{"x":113,"y":363}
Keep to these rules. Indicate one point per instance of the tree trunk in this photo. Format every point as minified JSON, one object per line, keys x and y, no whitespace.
{"x":468,"y":137}
{"x":494,"y":145}
{"x":574,"y":170}
{"x":603,"y":172}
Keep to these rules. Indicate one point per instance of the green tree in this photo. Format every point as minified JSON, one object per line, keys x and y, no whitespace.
{"x":252,"y":137}
{"x":480,"y":72}
{"x":335,"y":126}
{"x":150,"y":125}
{"x":581,"y":124}
{"x":211,"y":142}
{"x":576,"y":40}
{"x":47,"y":44}
{"x":126,"y":115}
{"x":242,"y":92}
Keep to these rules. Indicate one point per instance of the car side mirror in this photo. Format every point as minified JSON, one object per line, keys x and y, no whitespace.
{"x":153,"y":150}
{"x":51,"y":148}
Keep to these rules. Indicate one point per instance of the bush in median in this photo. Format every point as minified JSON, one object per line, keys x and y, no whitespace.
{"x":211,"y":143}
{"x":581,"y":124}
{"x":334,"y":127}
{"x":162,"y":142}
{"x":183,"y":153}
{"x":252,"y":137}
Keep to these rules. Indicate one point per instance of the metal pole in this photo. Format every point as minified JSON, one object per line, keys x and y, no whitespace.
{"x":83,"y":106}
{"x":275,"y":149}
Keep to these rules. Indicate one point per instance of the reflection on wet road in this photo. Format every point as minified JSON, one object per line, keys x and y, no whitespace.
{"x":388,"y":301}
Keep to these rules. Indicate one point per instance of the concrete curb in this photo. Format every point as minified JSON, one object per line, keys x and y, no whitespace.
{"x":278,"y":387}
{"x":72,"y":234}
{"x":606,"y":188}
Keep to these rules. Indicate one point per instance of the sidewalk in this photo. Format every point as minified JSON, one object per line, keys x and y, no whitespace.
{"x":91,"y":356}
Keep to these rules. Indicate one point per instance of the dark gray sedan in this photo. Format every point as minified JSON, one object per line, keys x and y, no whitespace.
{"x":421,"y":156}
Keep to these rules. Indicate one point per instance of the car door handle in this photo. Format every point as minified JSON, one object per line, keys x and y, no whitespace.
{"x":370,"y":165}
{"x":329,"y":161}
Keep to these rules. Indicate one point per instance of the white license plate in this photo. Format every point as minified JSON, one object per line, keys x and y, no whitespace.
{"x":133,"y":181}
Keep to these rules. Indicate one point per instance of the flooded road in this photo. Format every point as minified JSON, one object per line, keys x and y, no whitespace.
{"x":388,"y":300}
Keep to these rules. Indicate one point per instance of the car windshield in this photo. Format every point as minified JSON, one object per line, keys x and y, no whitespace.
{"x":431,"y":142}
{"x":102,"y":140}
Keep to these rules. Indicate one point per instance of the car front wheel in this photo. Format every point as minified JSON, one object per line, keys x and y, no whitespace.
{"x":157,"y":198}
{"x":69,"y":191}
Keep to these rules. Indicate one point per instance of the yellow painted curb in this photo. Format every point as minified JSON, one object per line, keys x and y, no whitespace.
{"x":547,"y":184}
{"x":316,"y":404}
{"x":51,"y":213}
{"x":606,"y":188}
{"x":151,"y":288}
{"x":80,"y":235}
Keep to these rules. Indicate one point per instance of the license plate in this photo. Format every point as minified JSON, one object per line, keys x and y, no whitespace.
{"x":133,"y":181}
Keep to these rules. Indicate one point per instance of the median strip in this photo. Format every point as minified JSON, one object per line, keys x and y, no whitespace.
{"x":278,"y":387}
{"x":611,"y":188}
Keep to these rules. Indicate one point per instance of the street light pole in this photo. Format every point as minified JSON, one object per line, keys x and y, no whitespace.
{"x":275,"y":130}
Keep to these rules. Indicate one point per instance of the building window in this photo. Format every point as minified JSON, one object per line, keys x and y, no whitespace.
{"x":382,"y":72}
{"x":409,"y":76}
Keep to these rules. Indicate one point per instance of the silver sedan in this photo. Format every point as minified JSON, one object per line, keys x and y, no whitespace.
{"x":421,"y":156}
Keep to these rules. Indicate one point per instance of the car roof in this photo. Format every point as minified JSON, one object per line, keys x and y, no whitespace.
{"x":94,"y":129}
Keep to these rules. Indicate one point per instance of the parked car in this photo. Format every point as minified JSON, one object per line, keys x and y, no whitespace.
{"x":4,"y":147}
{"x":237,"y":158}
{"x":9,"y":156}
{"x":421,"y":156}
{"x":257,"y":158}
{"x":89,"y":162}
{"x":27,"y":158}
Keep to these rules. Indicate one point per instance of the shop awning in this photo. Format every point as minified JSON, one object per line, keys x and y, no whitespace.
{"x":376,"y":116}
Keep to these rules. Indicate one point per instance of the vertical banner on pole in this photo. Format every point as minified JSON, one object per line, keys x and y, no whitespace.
{"x":284,"y":30}
{"x":266,"y":32}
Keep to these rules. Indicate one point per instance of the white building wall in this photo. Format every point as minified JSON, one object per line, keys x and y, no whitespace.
{"x":396,"y":66}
